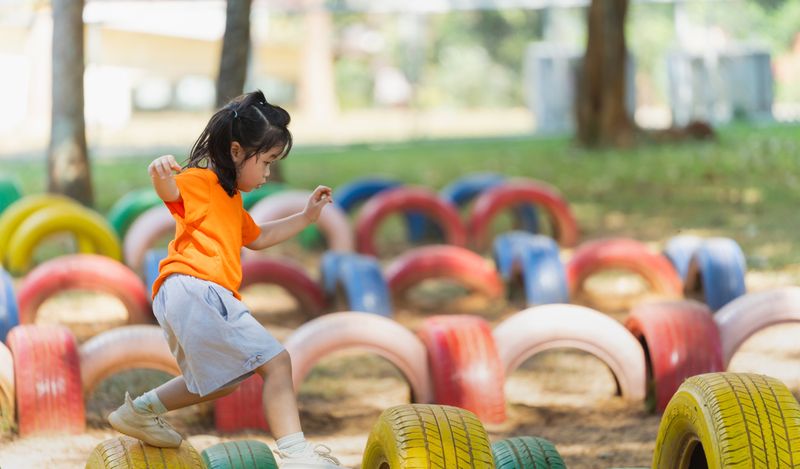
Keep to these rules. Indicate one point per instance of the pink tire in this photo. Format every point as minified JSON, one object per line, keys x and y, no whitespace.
{"x":333,"y":223}
{"x":405,"y":200}
{"x":242,"y":409}
{"x":465,"y":366}
{"x":124,"y":348}
{"x":7,"y":393}
{"x":748,"y":314}
{"x":546,"y":327}
{"x":627,"y":254}
{"x":83,"y":272}
{"x":154,"y":224}
{"x":48,"y":380}
{"x":681,"y":339}
{"x":439,"y":261}
{"x":288,"y":275}
{"x":339,"y":331}
{"x":521,"y":192}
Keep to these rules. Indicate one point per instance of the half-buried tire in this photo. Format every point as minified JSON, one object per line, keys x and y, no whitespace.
{"x":526,"y":452}
{"x":432,"y":436}
{"x":129,"y":453}
{"x":729,"y":420}
{"x":243,"y":454}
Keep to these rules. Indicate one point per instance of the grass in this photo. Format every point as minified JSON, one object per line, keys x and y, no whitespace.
{"x":744,"y":185}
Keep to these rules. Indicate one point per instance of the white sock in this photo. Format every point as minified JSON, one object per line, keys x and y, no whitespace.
{"x":293,"y":443}
{"x":149,"y":402}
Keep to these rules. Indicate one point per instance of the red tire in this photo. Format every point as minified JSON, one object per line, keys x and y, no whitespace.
{"x":242,"y":409}
{"x":85,"y":272}
{"x":440,"y":261}
{"x":622,"y":253}
{"x":681,"y":339}
{"x":520,"y":192}
{"x":124,"y":348}
{"x":465,"y":367}
{"x":288,"y":275}
{"x":339,"y":331}
{"x":407,"y":199}
{"x":7,"y":394}
{"x":547,"y":327}
{"x":48,"y":380}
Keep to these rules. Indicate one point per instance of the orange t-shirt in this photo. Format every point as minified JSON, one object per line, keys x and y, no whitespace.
{"x":211,"y":228}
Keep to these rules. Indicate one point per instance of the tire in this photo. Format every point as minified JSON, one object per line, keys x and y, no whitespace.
{"x":464,"y":190}
{"x":242,"y":409}
{"x":339,"y":331}
{"x":152,"y":261}
{"x":623,"y":253}
{"x":547,"y":327}
{"x":10,"y":192}
{"x":129,"y":453}
{"x":441,"y":261}
{"x":9,"y":312}
{"x":536,"y":259}
{"x":514,"y":193}
{"x":431,"y":436}
{"x":124,"y":348}
{"x":84,"y":223}
{"x":84,"y":272}
{"x":730,"y":420}
{"x":361,"y":279}
{"x":7,"y":393}
{"x":333,"y":222}
{"x":680,"y":339}
{"x":48,"y":380}
{"x":243,"y":454}
{"x":679,"y":251}
{"x":407,"y":199}
{"x":750,"y":313}
{"x":288,"y":275}
{"x":253,"y":197}
{"x":526,"y":452}
{"x":717,"y":272}
{"x":145,"y":231}
{"x":129,"y":207}
{"x":17,"y":212}
{"x":465,"y":366}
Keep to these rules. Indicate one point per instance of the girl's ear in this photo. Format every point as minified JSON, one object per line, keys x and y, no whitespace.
{"x":237,"y":152}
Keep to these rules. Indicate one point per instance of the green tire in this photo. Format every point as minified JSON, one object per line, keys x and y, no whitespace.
{"x":526,"y":452}
{"x":250,"y":198}
{"x":245,"y":454}
{"x":10,"y":192}
{"x":130,"y":206}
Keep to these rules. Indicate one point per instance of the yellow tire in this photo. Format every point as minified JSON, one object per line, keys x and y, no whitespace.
{"x":84,"y":223}
{"x":129,"y":453}
{"x":17,"y":212}
{"x":729,"y":421}
{"x":427,"y":435}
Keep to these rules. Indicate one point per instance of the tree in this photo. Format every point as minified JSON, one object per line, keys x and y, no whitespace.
{"x":601,"y":113}
{"x":235,"y":51}
{"x":67,"y":159}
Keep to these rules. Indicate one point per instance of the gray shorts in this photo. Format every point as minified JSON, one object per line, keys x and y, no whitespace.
{"x":213,"y":336}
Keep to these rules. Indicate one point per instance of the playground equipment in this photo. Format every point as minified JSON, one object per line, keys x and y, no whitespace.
{"x":534,"y":260}
{"x":361,"y":279}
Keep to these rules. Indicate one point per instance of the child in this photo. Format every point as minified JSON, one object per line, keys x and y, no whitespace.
{"x":213,"y":336}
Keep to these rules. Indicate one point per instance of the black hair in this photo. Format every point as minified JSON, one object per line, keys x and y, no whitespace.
{"x":248,"y":119}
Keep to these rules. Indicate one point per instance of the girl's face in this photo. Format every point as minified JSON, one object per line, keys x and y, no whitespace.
{"x":253,"y":173}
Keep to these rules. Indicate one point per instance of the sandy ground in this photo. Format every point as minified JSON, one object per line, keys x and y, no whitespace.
{"x":565,"y":396}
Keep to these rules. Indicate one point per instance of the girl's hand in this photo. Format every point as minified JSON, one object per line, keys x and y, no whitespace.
{"x":318,"y":199}
{"x":163,"y":167}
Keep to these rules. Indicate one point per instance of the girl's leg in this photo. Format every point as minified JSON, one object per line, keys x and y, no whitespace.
{"x":280,"y":403}
{"x":175,"y":395}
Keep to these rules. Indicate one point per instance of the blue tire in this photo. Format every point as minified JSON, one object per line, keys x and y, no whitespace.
{"x":9,"y":313}
{"x":679,"y":250}
{"x":151,"y":260}
{"x":361,"y":278}
{"x":536,"y":258}
{"x":462,"y":191}
{"x":329,"y":271}
{"x":720,"y":266}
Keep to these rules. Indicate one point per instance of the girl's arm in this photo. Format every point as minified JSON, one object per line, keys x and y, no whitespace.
{"x":276,"y":231}
{"x":160,"y":171}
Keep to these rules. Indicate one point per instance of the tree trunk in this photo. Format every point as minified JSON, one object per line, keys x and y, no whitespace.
{"x":235,"y":51}
{"x":67,"y":160}
{"x":601,"y":113}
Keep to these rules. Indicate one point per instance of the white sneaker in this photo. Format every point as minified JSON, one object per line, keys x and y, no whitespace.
{"x":317,"y":457}
{"x":146,"y":426}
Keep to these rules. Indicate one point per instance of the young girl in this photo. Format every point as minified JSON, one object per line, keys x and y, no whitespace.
{"x":213,"y":336}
